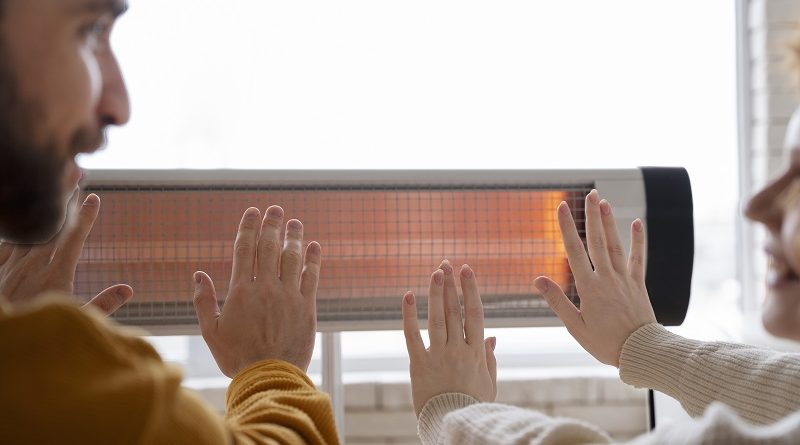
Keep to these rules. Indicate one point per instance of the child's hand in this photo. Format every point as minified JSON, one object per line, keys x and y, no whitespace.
{"x":459,"y":359}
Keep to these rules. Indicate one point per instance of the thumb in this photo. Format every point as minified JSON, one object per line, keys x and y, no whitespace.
{"x":205,"y":300}
{"x":111,"y":299}
{"x":559,"y":303}
{"x":491,"y":361}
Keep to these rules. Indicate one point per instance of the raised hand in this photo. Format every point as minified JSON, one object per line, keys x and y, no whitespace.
{"x":458,"y":359}
{"x":270,"y":311}
{"x":26,"y":271}
{"x":614,"y":300}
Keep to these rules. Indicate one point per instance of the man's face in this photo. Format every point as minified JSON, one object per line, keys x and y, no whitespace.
{"x":777,"y":207}
{"x":60,"y":86}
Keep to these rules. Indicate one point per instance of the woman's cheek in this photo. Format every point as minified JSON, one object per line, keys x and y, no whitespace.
{"x":791,"y":238}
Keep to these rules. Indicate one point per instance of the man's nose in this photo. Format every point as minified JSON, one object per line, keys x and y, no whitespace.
{"x":114,"y":106}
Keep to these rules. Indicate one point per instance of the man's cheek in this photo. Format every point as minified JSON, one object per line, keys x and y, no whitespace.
{"x":93,"y":75}
{"x":76,"y":94}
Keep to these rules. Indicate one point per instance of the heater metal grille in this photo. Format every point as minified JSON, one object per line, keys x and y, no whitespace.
{"x":377,"y":241}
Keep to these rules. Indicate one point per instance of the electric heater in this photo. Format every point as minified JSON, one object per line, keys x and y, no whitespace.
{"x":382,"y":233}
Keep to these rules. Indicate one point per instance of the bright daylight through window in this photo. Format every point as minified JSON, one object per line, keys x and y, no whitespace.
{"x":247,"y":84}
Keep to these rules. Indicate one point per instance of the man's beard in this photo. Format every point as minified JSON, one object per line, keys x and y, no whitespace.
{"x":32,"y":199}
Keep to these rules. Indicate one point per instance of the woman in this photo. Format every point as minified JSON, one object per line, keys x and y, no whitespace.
{"x":738,"y":394}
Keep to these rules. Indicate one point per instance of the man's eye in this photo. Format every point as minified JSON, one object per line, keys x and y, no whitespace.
{"x":93,"y":33}
{"x":94,"y":28}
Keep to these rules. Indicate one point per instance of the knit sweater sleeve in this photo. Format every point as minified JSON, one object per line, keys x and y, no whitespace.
{"x":271,"y":402}
{"x":482,"y":423}
{"x":729,"y":387}
{"x":443,"y":422}
{"x":275,"y":402}
{"x":760,"y":385}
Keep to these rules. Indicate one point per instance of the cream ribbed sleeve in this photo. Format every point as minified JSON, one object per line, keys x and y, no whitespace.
{"x":761,"y":385}
{"x":755,"y":386}
{"x":492,"y":423}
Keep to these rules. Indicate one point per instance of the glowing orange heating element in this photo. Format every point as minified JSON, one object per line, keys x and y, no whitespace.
{"x":376,"y":243}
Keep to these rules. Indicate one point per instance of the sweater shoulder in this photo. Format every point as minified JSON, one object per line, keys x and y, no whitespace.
{"x":78,"y":371}
{"x":55,"y":325}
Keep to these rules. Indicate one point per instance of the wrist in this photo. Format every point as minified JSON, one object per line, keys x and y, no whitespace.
{"x":433,"y":411}
{"x":269,"y":363}
{"x":266,"y":375}
{"x":652,"y":357}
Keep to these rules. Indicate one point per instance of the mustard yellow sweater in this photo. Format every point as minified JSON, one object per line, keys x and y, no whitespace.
{"x":67,"y":375}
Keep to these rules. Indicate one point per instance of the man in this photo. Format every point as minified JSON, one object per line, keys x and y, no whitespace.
{"x":66,"y":374}
{"x":737,"y":393}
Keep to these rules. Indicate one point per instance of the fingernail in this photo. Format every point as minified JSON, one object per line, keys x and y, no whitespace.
{"x":446,"y":267}
{"x":91,"y":200}
{"x":466,"y":271}
{"x":563,"y":208}
{"x":541,"y":284}
{"x":638,"y":225}
{"x":409,"y":298}
{"x":314,"y":248}
{"x":197,"y":277}
{"x":493,"y":342}
{"x":251,"y":213}
{"x":438,"y":277}
{"x":605,"y":207}
{"x":294,"y":225}
{"x":275,"y":212}
{"x":592,"y":196}
{"x":124,"y":292}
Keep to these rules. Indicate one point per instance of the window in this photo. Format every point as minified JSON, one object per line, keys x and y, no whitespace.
{"x":452,"y":84}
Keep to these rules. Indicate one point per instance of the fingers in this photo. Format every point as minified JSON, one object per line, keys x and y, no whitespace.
{"x":576,"y":253}
{"x":292,"y":256}
{"x":41,"y":255}
{"x":111,"y":299}
{"x":614,"y":244}
{"x":636,"y":259}
{"x":20,"y":251}
{"x":414,"y":342}
{"x":473,"y":307}
{"x":269,"y":244}
{"x":309,"y":280}
{"x":595,"y":236}
{"x":70,"y":242}
{"x":437,"y":326}
{"x":244,"y":248}
{"x":491,"y":361}
{"x":205,"y":302}
{"x":559,"y":303}
{"x":452,"y":307}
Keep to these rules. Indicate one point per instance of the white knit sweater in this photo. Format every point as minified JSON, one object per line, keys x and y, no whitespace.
{"x":738,"y":395}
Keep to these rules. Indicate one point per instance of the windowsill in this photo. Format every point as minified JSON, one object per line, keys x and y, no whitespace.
{"x":504,"y":373}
